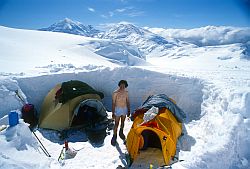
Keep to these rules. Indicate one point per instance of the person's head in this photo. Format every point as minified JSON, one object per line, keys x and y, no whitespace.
{"x":123,"y":83}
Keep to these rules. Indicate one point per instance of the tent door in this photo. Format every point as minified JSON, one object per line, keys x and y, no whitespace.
{"x":151,"y":139}
{"x":86,"y":115}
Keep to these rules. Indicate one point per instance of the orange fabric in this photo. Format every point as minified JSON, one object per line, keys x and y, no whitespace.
{"x":164,"y":125}
{"x":152,"y":124}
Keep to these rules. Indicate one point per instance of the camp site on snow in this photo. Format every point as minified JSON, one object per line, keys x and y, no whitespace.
{"x":74,"y":106}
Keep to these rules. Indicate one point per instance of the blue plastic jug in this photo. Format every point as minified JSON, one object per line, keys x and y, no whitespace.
{"x":13,"y":118}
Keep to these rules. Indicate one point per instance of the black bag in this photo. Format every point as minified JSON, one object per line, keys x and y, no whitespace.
{"x":29,"y":115}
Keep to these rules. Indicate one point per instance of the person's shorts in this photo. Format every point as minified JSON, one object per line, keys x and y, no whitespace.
{"x":121,"y":111}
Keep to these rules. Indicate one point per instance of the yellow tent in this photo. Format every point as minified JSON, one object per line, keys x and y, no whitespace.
{"x":60,"y":116}
{"x":160,"y":132}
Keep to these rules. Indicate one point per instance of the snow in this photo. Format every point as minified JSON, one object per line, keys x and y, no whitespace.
{"x":209,"y":80}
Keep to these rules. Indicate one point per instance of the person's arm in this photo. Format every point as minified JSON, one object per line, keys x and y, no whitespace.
{"x":128,"y":105}
{"x":113,"y":104}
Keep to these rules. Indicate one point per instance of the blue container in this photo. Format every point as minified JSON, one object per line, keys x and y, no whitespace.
{"x":13,"y":118}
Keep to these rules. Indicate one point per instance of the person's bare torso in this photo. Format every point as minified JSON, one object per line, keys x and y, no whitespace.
{"x":121,"y":98}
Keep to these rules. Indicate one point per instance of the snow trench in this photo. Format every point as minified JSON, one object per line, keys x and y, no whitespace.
{"x":217,"y":121}
{"x":220,"y":137}
{"x":214,"y":124}
{"x":142,"y":83}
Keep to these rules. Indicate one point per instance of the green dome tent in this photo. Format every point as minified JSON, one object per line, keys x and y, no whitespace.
{"x":71,"y":104}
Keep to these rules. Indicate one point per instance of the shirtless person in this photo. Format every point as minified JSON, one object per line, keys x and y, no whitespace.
{"x":120,"y":108}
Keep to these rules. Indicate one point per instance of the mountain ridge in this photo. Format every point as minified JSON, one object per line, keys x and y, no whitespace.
{"x":124,"y":31}
{"x":72,"y":27}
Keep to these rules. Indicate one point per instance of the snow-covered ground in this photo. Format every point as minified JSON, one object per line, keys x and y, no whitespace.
{"x":210,"y":83}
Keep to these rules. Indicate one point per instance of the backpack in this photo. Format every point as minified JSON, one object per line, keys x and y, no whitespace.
{"x":29,"y":115}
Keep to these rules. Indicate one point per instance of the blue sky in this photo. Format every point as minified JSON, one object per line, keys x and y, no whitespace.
{"x":34,"y":14}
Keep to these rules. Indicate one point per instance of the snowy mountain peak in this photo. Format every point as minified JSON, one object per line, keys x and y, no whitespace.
{"x":68,"y":20}
{"x":122,"y":30}
{"x":146,"y":41}
{"x":128,"y":28}
{"x":72,"y":27}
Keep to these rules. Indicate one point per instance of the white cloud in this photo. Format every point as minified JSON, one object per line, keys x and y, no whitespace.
{"x":129,"y":11}
{"x":104,"y":16}
{"x":91,"y":9}
{"x":121,"y":10}
{"x":135,"y":13}
{"x":125,"y":9}
{"x":111,"y":13}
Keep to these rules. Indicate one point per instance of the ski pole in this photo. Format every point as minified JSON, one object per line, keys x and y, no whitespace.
{"x":41,"y":145}
{"x":20,"y":97}
{"x":43,"y":148}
